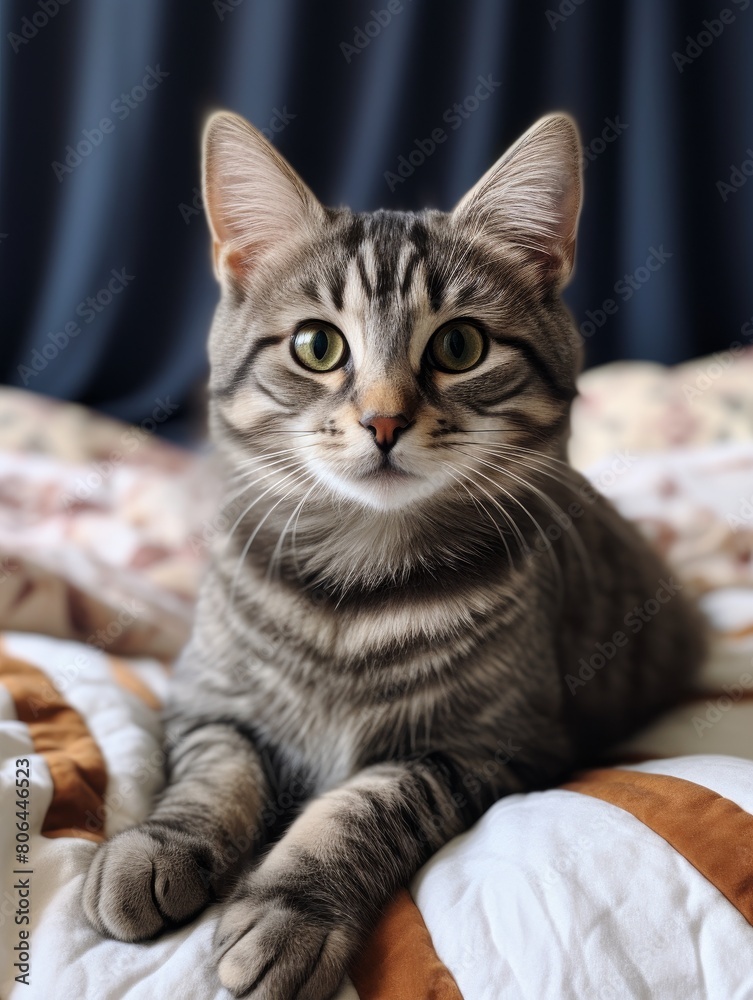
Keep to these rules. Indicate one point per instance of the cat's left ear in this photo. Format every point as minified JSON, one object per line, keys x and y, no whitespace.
{"x":256,"y":204}
{"x":530,"y":199}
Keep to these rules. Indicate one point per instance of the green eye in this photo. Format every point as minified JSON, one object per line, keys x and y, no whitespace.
{"x":320,"y":347}
{"x":456,"y":347}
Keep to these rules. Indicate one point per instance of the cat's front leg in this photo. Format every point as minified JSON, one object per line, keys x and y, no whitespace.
{"x":295,"y":921}
{"x":163,"y":872}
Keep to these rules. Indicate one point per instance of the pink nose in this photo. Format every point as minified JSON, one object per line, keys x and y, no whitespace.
{"x":384,"y":428}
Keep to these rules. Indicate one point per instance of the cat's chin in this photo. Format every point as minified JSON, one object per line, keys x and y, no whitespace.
{"x":383,"y":489}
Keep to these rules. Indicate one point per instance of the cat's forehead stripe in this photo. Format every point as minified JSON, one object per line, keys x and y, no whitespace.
{"x":406,"y":266}
{"x":393,"y":256}
{"x":366,"y":281}
{"x":335,"y":280}
{"x":386,"y":248}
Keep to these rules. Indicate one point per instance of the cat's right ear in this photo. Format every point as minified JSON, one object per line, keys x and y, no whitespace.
{"x":256,"y":204}
{"x":531,"y":198}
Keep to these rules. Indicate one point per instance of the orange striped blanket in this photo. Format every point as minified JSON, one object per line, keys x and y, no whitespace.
{"x":631,"y":881}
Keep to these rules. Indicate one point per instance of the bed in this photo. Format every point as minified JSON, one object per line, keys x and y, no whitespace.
{"x":633,"y":880}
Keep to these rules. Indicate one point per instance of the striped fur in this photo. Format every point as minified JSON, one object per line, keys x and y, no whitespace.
{"x":385,"y":643}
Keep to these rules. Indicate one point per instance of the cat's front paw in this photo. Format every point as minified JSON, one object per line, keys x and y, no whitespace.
{"x":277,"y":947}
{"x":146,"y":880}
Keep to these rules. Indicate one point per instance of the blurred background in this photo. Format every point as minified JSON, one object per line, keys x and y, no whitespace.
{"x":106,"y":289}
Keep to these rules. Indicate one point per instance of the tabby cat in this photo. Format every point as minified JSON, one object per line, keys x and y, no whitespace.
{"x":401,"y":622}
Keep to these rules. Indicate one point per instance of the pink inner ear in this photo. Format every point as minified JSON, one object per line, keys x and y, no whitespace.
{"x":238,"y":260}
{"x":554,"y":265}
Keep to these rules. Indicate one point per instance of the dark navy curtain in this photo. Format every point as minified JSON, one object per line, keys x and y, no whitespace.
{"x":106,"y":290}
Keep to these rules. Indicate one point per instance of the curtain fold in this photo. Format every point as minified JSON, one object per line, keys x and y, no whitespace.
{"x":663,"y":94}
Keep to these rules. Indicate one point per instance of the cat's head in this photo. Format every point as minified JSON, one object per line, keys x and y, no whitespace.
{"x":388,"y":357}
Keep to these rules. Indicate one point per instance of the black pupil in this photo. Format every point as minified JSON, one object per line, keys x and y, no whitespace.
{"x":456,"y":344}
{"x":319,"y":344}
